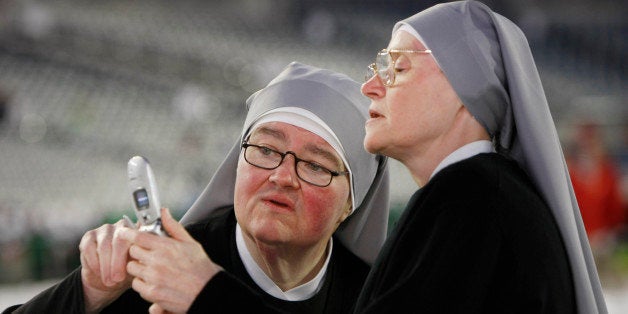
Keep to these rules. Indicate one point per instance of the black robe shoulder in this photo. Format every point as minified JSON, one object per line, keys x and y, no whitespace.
{"x":478,"y":238}
{"x":231,"y":291}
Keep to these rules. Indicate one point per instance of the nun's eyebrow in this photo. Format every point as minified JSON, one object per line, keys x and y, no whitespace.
{"x":314,"y":149}
{"x":270,"y":132}
{"x":325,"y":154}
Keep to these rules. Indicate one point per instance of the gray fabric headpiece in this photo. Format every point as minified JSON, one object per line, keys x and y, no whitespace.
{"x":337,"y":101}
{"x":487,"y":60}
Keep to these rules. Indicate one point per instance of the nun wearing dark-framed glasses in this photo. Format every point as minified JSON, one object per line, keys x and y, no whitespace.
{"x":290,"y":222}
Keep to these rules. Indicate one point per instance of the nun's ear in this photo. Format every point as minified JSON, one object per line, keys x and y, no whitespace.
{"x":346,"y":212}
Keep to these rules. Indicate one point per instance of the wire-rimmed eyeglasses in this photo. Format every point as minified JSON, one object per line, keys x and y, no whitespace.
{"x":384,"y":65}
{"x":308,"y":171}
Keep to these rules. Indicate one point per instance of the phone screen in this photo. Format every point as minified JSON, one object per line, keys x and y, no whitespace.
{"x":141,"y":198}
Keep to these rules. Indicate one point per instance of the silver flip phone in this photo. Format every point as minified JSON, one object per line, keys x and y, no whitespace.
{"x":145,"y":196}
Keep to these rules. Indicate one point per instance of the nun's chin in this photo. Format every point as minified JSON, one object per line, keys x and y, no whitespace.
{"x":371,"y":143}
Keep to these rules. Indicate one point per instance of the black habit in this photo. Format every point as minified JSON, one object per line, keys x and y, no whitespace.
{"x":477,"y":238}
{"x":232,"y":291}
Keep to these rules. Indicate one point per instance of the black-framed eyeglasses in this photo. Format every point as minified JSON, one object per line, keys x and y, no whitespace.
{"x":308,"y":171}
{"x":384,"y":65}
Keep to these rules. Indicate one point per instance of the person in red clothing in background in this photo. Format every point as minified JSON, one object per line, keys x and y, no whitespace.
{"x":596,"y":182}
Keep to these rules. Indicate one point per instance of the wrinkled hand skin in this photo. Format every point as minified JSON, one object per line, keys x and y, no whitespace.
{"x":168,"y":271}
{"x":104,"y":257}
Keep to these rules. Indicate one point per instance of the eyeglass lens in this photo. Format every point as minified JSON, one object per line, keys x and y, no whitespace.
{"x":382,"y":67}
{"x":383,"y":62}
{"x":267,"y":158}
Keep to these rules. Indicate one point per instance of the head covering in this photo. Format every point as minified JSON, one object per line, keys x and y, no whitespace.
{"x":332,"y":106}
{"x":488,"y":62}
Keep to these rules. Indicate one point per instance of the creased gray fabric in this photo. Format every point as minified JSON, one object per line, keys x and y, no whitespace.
{"x":487,"y":60}
{"x":337,"y":100}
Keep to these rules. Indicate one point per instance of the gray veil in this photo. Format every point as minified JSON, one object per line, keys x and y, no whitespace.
{"x":487,"y":60}
{"x":337,"y":101}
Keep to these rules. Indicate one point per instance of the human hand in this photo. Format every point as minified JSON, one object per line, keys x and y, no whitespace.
{"x":169,"y":271}
{"x":104,"y":256}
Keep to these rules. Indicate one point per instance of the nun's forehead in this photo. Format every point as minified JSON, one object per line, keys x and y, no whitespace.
{"x":282,"y":131}
{"x":404,"y":40}
{"x":465,"y":46}
{"x":408,"y":33}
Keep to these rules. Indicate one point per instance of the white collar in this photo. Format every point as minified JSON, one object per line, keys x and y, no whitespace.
{"x":464,"y":152}
{"x":300,"y":293}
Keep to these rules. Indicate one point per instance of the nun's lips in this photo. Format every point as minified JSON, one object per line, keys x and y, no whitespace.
{"x":374,"y":114}
{"x":279,"y":201}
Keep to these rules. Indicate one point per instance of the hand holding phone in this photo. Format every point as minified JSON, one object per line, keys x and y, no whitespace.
{"x":143,"y":190}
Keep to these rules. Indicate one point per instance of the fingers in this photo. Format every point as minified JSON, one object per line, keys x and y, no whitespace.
{"x":104,"y":234}
{"x":128,"y":222}
{"x":156,"y":309}
{"x":143,"y":239}
{"x":148,"y":266}
{"x":165,"y":300}
{"x":155,"y":261}
{"x":104,"y":253}
{"x":149,"y":292}
{"x":151,"y":241}
{"x":137,"y":270}
{"x":173,"y":227}
{"x":139,"y":285}
{"x":141,"y":254}
{"x":119,"y":256}
{"x":89,"y":256}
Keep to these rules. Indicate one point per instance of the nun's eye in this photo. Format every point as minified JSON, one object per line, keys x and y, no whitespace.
{"x":401,"y":64}
{"x":401,"y":69}
{"x":389,"y":62}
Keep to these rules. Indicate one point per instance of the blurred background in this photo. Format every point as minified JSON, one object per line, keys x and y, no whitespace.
{"x":85,"y":85}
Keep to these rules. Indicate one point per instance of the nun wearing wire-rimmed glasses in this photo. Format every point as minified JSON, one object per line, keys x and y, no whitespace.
{"x":290,"y":222}
{"x":495,"y":226}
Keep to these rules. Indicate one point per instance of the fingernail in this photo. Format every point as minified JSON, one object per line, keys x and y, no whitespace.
{"x":128,"y":222}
